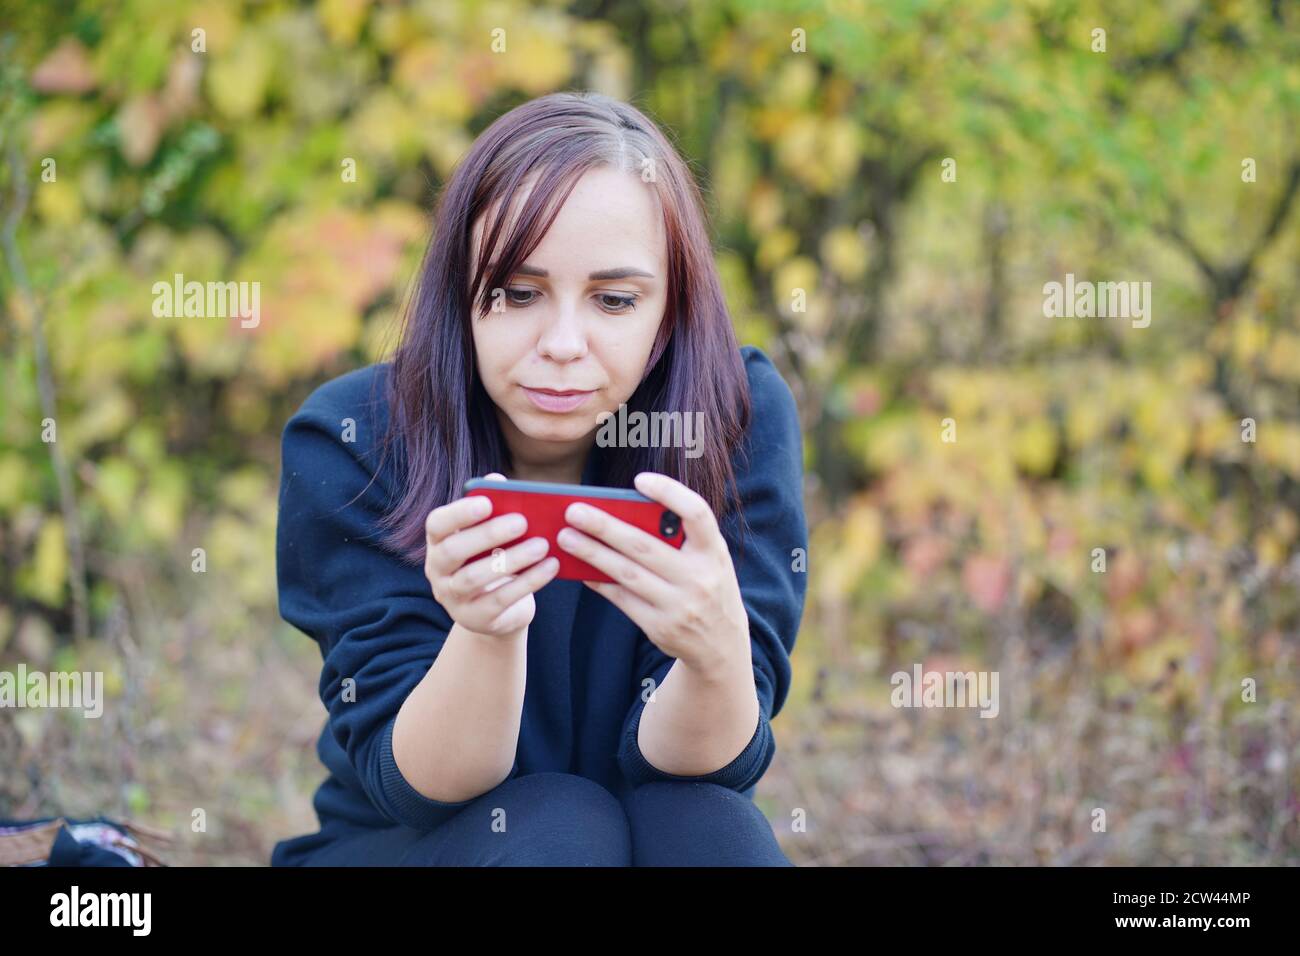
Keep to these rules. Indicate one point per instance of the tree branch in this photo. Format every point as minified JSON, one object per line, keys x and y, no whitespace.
{"x":1228,"y":281}
{"x":45,"y":385}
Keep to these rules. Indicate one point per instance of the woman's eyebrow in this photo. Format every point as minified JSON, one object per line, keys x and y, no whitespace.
{"x":622,"y":272}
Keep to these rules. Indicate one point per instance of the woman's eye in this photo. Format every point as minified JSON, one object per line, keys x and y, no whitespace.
{"x":520,"y":297}
{"x":617,"y":303}
{"x":511,"y":293}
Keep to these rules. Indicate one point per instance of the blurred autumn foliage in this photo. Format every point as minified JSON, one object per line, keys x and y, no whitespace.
{"x":144,"y":138}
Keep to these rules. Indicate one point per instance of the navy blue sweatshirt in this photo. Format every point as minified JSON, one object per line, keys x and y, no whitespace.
{"x":376,"y":620}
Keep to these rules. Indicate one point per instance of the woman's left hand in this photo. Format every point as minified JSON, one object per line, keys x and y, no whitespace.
{"x":686,"y":601}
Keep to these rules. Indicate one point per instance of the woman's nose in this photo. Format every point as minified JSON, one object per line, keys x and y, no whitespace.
{"x":564,"y":337}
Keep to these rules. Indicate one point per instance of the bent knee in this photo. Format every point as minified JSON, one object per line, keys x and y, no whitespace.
{"x":684,"y":793}
{"x":693,"y":823}
{"x":692,"y":804}
{"x":561,"y":819}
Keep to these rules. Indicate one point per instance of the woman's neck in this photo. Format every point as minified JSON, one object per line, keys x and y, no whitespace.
{"x":566,"y":467}
{"x":563,"y":474}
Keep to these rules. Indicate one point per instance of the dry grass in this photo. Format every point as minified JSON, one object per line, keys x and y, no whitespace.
{"x":218,"y":711}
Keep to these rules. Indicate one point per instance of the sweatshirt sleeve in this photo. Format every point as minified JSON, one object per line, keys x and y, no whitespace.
{"x":770,"y":483}
{"x":373,"y":615}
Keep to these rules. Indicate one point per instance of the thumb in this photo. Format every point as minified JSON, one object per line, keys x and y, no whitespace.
{"x":495,"y":476}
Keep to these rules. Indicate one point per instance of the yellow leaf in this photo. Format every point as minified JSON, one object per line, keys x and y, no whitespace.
{"x":1035,"y":446}
{"x":1248,"y":339}
{"x":1279,"y":445}
{"x":1158,"y":467}
{"x":104,"y":418}
{"x":49,"y":567}
{"x":797,"y":273}
{"x":58,"y":202}
{"x":342,"y":18}
{"x":1283,"y":358}
{"x":162,"y":508}
{"x":1269,"y":549}
{"x":776,"y":246}
{"x":12,"y":472}
{"x":1084,"y":421}
{"x":795,"y":83}
{"x":840,"y":149}
{"x":859,"y":541}
{"x":237,"y":81}
{"x":766,"y":209}
{"x":845,"y":252}
{"x":115,"y":486}
{"x":244,"y":489}
{"x":535,"y":61}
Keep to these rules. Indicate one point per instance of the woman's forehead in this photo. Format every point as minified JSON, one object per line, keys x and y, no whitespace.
{"x":608,"y":214}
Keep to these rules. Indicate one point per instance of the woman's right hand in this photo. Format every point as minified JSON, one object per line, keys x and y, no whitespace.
{"x":493,"y":595}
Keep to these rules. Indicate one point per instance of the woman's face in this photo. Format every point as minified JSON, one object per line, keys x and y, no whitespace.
{"x":577,"y":321}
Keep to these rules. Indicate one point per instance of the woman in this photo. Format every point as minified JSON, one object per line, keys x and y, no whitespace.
{"x":481,"y":711}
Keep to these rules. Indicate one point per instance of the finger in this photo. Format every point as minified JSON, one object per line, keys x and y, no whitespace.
{"x":642,"y":547}
{"x":637,"y":578}
{"x":458,"y":514}
{"x":501,"y":598}
{"x":638,"y":611}
{"x":697,"y":517}
{"x":476,"y":575}
{"x":456,"y":549}
{"x":454,"y":516}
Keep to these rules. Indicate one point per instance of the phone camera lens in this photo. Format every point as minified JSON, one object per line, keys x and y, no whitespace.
{"x":668,"y":524}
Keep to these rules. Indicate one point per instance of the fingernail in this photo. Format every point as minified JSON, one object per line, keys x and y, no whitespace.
{"x":516,"y":523}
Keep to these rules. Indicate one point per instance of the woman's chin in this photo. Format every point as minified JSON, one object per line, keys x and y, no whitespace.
{"x":561,"y":429}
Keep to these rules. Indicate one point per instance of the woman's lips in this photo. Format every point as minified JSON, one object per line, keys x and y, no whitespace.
{"x":551,"y":400}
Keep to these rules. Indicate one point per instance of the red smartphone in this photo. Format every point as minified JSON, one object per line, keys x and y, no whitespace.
{"x":543,"y":503}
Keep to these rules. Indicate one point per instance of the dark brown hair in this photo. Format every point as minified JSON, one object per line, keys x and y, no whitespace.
{"x":442,"y":426}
